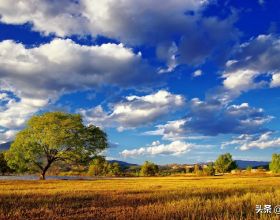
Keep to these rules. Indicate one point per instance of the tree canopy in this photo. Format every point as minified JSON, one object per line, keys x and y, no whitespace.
{"x":149,"y":169}
{"x":274,"y":166}
{"x":55,"y":136}
{"x":100,"y":167}
{"x":97,"y":166}
{"x":225,"y":163}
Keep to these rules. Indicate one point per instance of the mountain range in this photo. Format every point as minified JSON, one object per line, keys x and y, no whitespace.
{"x":243,"y":164}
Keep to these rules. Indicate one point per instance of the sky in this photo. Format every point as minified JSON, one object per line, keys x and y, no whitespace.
{"x":174,"y":81}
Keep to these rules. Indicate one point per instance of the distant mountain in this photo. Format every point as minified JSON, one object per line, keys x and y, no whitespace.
{"x":122,"y":163}
{"x":5,"y":146}
{"x":243,"y":164}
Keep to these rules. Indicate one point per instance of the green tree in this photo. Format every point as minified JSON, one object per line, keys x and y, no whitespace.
{"x":209,"y":170}
{"x":115,"y":169}
{"x":149,"y":169}
{"x":133,"y":170}
{"x":4,"y":168}
{"x":225,"y":163}
{"x":54,"y":136}
{"x":98,"y":166}
{"x":274,"y":166}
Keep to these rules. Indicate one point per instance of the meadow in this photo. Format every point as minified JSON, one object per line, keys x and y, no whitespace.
{"x":223,"y":197}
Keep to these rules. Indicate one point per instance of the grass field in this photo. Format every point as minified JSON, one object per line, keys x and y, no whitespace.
{"x":140,"y":198}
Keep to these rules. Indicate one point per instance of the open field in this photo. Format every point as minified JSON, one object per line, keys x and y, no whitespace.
{"x":140,"y":198}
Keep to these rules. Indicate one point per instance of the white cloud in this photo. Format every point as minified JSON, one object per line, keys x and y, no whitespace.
{"x":197,"y":73}
{"x":230,"y":62}
{"x":262,"y":141}
{"x":256,"y":64}
{"x":14,"y":114}
{"x":156,"y":148}
{"x":172,"y":130}
{"x":115,"y":19}
{"x":119,"y":20}
{"x":63,"y":65}
{"x":211,"y":118}
{"x":168,"y":53}
{"x":135,"y":111}
{"x":275,"y":82}
{"x":6,"y":136}
{"x":37,"y":76}
{"x":241,"y":80}
{"x":59,"y":17}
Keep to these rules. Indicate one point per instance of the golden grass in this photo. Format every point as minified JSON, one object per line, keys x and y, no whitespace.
{"x":140,"y":198}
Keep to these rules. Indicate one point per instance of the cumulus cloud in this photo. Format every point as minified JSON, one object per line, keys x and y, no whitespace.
{"x":37,"y":76}
{"x":7,"y":135}
{"x":14,"y":111}
{"x":275,"y":82}
{"x":156,"y":148}
{"x":65,"y":65}
{"x":47,"y":16}
{"x":213,"y":118}
{"x":135,"y":111}
{"x":14,"y":114}
{"x":174,"y":130}
{"x":132,"y":22}
{"x":261,"y":141}
{"x":120,"y":20}
{"x":255,"y":64}
{"x":242,"y":80}
{"x":203,"y":118}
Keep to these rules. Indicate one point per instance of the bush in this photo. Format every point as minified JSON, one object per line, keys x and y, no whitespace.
{"x":149,"y":169}
{"x":225,"y":163}
{"x":274,"y":166}
{"x":209,"y":170}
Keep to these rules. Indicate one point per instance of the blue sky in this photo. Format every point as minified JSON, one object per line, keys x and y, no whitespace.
{"x":175,"y":81}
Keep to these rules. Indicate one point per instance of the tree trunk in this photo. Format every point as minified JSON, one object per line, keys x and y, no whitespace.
{"x":43,"y":174}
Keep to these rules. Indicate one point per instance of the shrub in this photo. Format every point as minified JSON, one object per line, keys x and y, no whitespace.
{"x":209,"y":170}
{"x":274,"y":166}
{"x":149,"y":169}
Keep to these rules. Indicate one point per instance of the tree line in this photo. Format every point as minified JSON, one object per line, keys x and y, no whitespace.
{"x":62,"y":140}
{"x":99,"y":166}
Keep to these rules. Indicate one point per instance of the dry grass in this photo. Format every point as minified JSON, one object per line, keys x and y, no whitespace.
{"x":140,"y":198}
